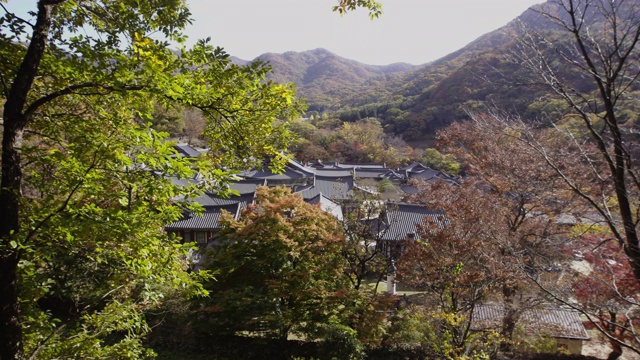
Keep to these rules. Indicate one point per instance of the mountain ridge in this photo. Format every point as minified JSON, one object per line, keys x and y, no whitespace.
{"x":414,"y":101}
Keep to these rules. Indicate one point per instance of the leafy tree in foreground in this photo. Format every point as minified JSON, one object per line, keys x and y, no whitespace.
{"x":589,"y":57}
{"x":81,"y":215}
{"x":93,"y":259}
{"x":279,"y":268}
{"x":587,"y":54}
{"x":75,"y":188}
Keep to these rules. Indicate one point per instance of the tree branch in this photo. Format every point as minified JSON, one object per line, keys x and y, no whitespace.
{"x":101,"y":90}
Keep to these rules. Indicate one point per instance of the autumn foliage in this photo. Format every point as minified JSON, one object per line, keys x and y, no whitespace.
{"x":279,"y":268}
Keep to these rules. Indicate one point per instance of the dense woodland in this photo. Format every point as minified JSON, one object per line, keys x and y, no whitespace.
{"x":539,"y":119}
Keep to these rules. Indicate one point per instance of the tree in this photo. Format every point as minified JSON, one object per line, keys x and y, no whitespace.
{"x":365,"y":142}
{"x":89,"y":269}
{"x":279,"y":268}
{"x":344,"y":6}
{"x":304,"y":129}
{"x":586,"y":52}
{"x":454,"y":261}
{"x":194,"y":124}
{"x":606,"y":291}
{"x":165,"y":119}
{"x":510,"y":204}
{"x":436,"y":160}
{"x":563,"y":150}
{"x":91,"y":66}
{"x":74,"y":76}
{"x":432,"y":334}
{"x":593,"y":68}
{"x":527,"y":198}
{"x":364,"y":226}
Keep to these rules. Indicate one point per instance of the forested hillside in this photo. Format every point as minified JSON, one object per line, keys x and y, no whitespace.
{"x":411,"y":101}
{"x":415,"y":101}
{"x":326,"y":79}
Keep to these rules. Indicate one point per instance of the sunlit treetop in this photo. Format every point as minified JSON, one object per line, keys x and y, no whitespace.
{"x":344,"y":6}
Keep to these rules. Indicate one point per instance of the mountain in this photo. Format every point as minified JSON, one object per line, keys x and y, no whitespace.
{"x":412,"y":101}
{"x":437,"y":94}
{"x":415,"y":101}
{"x":324,"y":78}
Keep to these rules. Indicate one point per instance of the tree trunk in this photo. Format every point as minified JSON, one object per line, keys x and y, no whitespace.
{"x":510,"y":317}
{"x":10,"y":328}
{"x":15,"y":119}
{"x":606,"y":80}
{"x":616,"y":352}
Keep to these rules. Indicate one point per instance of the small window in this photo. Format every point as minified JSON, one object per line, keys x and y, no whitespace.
{"x":201,"y":237}
{"x":187,"y":236}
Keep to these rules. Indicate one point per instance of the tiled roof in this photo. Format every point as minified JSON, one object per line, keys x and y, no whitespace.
{"x":209,"y":199}
{"x":555,"y":322}
{"x":266,"y":173}
{"x":327,"y":205}
{"x":413,"y":166}
{"x":404,"y":219}
{"x":425,"y":174}
{"x":292,"y":170}
{"x":392,"y":175}
{"x":304,"y":169}
{"x":247,"y":186}
{"x":362,"y":165}
{"x":334,"y":172}
{"x":370,"y":173}
{"x":244,"y":199}
{"x":318,"y":164}
{"x":212,"y":200}
{"x":184,"y":182}
{"x":409,"y":189}
{"x":332,"y":188}
{"x":430,"y":174}
{"x":187,"y":150}
{"x":327,"y":181}
{"x":207,"y":221}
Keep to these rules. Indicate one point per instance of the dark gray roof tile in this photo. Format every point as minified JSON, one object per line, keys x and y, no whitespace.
{"x":247,"y":186}
{"x":362,"y":165}
{"x":327,"y":205}
{"x":332,"y":188}
{"x":208,"y":220}
{"x":370,"y":173}
{"x":555,"y":322}
{"x":334,"y":173}
{"x":187,"y":150}
{"x":404,"y":219}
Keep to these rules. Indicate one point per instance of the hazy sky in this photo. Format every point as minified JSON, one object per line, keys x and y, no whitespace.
{"x":413,"y":31}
